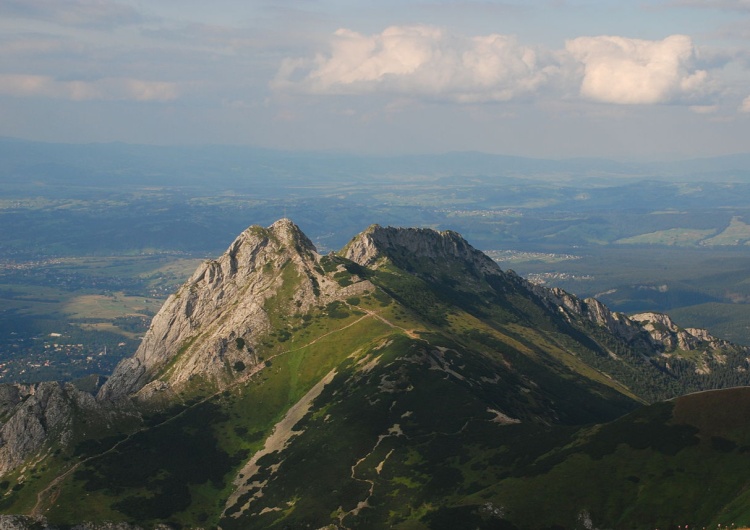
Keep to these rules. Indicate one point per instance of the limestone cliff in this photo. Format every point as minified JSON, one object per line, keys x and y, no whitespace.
{"x":36,"y":414}
{"x":592,"y":310}
{"x":663,"y":330}
{"x":406,"y":247}
{"x":213,"y":323}
{"x":654,"y":334}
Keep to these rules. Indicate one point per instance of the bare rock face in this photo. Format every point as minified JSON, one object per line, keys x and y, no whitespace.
{"x":215,"y":320}
{"x":592,"y":310}
{"x":405,"y":245}
{"x":196,"y":332}
{"x":41,"y":412}
{"x":664,"y":331}
{"x":655,"y":331}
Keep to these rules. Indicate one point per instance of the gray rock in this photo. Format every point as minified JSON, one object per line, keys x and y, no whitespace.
{"x":218,"y":317}
{"x":402,"y":244}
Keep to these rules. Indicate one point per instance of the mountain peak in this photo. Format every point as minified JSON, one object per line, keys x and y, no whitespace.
{"x":411,"y":248}
{"x":197,"y":331}
{"x":290,"y":234}
{"x":219,"y":317}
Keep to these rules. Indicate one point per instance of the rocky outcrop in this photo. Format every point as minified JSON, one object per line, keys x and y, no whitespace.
{"x":656,"y":332}
{"x":404,"y":246}
{"x":592,"y":310}
{"x":663,"y":330}
{"x":216,"y":319}
{"x":197,"y":331}
{"x":42,"y":412}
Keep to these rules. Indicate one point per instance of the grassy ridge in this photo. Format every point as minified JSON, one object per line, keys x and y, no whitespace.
{"x":153,"y":475}
{"x":455,"y":400}
{"x":666,"y":465}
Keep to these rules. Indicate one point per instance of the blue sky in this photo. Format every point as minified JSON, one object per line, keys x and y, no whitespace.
{"x":625,"y":79}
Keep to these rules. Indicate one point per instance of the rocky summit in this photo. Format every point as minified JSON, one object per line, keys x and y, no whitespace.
{"x":405,"y":381}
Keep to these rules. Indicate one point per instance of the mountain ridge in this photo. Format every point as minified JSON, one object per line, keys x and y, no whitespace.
{"x":391,"y":372}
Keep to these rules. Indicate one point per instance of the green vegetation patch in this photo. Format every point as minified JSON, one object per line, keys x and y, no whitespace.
{"x":670,"y":237}
{"x":152,"y":472}
{"x":737,"y":233}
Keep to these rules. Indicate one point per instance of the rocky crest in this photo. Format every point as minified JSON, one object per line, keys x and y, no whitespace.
{"x":655,"y":331}
{"x":592,"y":310}
{"x":215,"y":320}
{"x":404,"y":246}
{"x":663,"y":330}
{"x":39,"y":412}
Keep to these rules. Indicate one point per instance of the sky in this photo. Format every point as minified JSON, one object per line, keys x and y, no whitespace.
{"x":632,"y":80}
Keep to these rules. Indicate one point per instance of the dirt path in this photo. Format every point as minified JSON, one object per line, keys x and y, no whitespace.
{"x":411,"y":333}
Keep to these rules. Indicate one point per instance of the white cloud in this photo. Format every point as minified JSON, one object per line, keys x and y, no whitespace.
{"x":745,"y":106}
{"x":422,"y":61}
{"x":425,"y":61}
{"x":633,"y":71}
{"x":21,"y":85}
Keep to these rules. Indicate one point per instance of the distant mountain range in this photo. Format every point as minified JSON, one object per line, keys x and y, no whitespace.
{"x":188,"y":163}
{"x":405,"y":381}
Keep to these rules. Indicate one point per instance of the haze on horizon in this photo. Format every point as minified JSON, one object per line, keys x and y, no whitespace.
{"x":543,"y":78}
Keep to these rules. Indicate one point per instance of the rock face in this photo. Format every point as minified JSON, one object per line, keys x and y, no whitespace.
{"x":594,"y":311}
{"x":404,"y":246}
{"x":663,"y":330}
{"x":213,"y":322}
{"x":38,"y":413}
{"x":651,"y":330}
{"x":197,"y":330}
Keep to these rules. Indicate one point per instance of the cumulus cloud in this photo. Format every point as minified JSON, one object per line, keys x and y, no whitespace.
{"x":745,"y":106}
{"x":423,"y":61}
{"x":426,"y":61}
{"x":111,"y":89}
{"x":101,"y":14}
{"x":633,"y":71}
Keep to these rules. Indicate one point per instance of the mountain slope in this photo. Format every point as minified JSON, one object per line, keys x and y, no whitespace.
{"x":672,"y":464}
{"x":406,"y":381}
{"x":214,"y":322}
